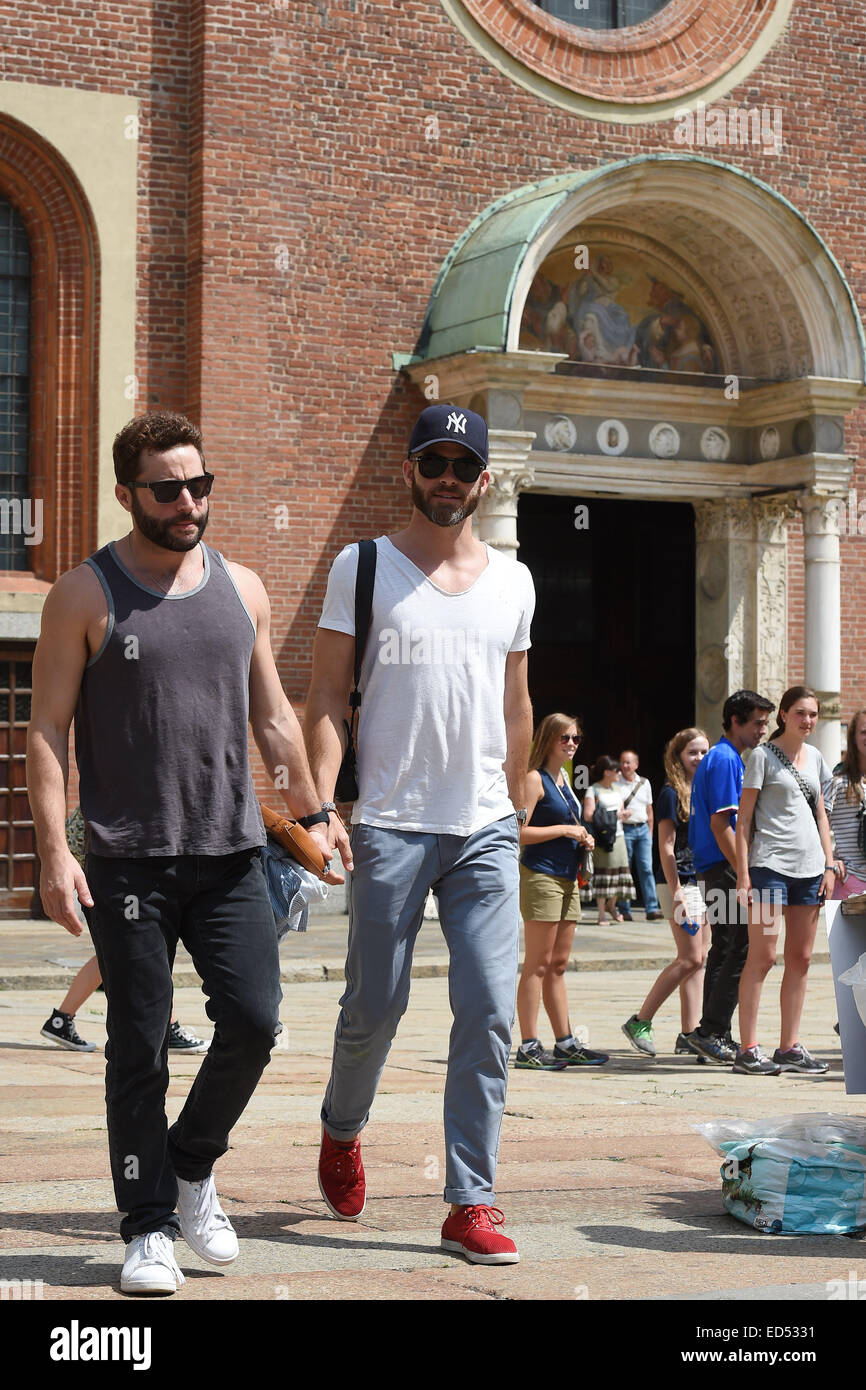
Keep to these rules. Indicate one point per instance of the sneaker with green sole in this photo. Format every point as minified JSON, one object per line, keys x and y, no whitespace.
{"x":639,"y":1032}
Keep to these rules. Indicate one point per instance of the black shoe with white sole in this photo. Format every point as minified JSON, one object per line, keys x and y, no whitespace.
{"x":60,"y":1028}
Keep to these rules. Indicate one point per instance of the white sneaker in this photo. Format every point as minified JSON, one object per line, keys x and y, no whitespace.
{"x":203,"y":1223}
{"x":150,"y":1266}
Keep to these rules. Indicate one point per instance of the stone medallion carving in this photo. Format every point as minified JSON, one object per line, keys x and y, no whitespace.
{"x":612,"y":437}
{"x":712,"y":571}
{"x":560,"y":433}
{"x":804,"y":437}
{"x":715,"y":443}
{"x":770,"y":443}
{"x":664,"y":440}
{"x":713,"y":674}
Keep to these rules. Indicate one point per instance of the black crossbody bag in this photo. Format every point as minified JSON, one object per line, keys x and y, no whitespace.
{"x":803,"y":785}
{"x":346,"y":788}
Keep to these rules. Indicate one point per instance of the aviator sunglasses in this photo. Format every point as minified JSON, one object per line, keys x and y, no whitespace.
{"x":466,"y":469}
{"x":169,"y":489}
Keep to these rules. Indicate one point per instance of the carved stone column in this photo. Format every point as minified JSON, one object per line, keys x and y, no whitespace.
{"x":724,"y":608}
{"x":742,"y":602}
{"x":771,"y":614}
{"x":824,"y":617}
{"x":512,"y":474}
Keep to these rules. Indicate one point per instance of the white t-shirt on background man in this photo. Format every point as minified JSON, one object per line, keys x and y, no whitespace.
{"x":431,"y":729}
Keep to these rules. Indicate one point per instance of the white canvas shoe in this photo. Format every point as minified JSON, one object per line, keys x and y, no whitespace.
{"x":203,"y":1223}
{"x":150,"y":1266}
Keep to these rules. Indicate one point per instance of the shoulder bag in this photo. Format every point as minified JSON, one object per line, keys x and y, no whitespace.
{"x":346,"y":786}
{"x":803,"y":785}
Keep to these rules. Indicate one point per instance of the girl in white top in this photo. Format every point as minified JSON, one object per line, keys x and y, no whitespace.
{"x":845,"y":800}
{"x":788,"y":868}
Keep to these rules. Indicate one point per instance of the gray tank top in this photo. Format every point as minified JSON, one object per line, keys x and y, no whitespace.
{"x":161,"y":720}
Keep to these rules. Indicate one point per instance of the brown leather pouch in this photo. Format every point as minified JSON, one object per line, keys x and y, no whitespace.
{"x":295,"y":840}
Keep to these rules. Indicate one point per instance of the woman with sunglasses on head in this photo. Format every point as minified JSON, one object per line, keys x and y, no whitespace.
{"x":611,"y":877}
{"x":554,"y":840}
{"x":787,"y":868}
{"x":685,"y":907}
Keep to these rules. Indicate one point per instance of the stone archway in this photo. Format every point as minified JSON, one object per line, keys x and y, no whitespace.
{"x":745,"y":442}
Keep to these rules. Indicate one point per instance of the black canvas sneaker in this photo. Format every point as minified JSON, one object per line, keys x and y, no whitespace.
{"x":60,"y":1028}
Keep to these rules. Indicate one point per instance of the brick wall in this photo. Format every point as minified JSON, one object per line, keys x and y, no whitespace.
{"x":293,"y":218}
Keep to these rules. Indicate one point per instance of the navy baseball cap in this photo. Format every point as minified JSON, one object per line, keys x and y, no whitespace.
{"x":448,"y":424}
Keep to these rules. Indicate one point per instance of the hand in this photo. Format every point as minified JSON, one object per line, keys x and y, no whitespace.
{"x":744,"y":890}
{"x":574,"y":832}
{"x":321,"y":837}
{"x":841,"y":870}
{"x":59,"y":881}
{"x":624,"y":814}
{"x":828,"y":885}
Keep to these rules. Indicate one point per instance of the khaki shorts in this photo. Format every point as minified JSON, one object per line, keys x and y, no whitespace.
{"x":546,"y":898}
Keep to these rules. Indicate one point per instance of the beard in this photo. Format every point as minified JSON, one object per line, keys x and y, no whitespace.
{"x":443,"y":513}
{"x":160,"y":532}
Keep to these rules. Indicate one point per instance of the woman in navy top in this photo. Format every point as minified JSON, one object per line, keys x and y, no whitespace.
{"x":554,"y":840}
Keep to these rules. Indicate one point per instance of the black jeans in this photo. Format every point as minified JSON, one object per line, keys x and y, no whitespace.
{"x":218,"y":906}
{"x":729,"y":927}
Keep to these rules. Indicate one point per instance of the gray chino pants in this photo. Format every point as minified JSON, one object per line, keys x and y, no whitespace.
{"x":476,"y":882}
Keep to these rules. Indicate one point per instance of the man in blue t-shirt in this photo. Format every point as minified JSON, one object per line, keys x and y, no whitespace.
{"x":712,"y":822}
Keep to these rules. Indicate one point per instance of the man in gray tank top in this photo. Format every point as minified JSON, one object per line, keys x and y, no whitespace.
{"x":160,"y":650}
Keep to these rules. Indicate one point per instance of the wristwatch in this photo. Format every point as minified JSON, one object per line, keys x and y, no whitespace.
{"x":318,"y":818}
{"x":521,"y":816}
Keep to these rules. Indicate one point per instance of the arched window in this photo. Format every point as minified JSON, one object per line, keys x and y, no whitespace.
{"x":602,"y":14}
{"x":18,"y":521}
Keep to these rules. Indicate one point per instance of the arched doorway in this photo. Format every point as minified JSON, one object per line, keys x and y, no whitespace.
{"x":726,"y":389}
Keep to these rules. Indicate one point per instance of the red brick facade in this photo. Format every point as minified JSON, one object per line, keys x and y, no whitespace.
{"x":294,"y":214}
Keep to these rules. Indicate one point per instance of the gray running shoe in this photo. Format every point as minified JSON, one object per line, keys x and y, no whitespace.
{"x":639,"y":1032}
{"x":714,"y":1049}
{"x":531,"y":1056}
{"x":579,"y":1056}
{"x":683,"y":1048}
{"x":752,"y":1062}
{"x":798,"y":1058}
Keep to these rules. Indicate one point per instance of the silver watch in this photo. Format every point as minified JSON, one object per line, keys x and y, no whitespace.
{"x":521,"y":816}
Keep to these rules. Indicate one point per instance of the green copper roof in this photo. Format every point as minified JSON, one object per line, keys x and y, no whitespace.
{"x":471,"y":303}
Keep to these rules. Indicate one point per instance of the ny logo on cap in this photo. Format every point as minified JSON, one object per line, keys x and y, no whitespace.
{"x":456,"y":422}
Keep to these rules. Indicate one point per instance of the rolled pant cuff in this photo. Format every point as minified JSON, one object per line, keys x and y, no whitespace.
{"x":344,"y":1136}
{"x":465,"y":1197}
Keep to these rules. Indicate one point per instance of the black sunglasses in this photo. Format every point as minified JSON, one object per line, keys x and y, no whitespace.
{"x":169,"y":489}
{"x":466,"y":469}
{"x":569,"y":738}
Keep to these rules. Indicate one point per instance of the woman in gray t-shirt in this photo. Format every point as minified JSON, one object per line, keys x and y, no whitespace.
{"x":787,"y":868}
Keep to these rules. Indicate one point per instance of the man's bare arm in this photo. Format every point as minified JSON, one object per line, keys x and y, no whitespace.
{"x":518,"y":726}
{"x":73,"y":607}
{"x":327,"y":702}
{"x":275,"y":725}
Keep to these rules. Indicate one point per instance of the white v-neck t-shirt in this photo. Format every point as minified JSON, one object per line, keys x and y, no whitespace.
{"x":431,"y":729}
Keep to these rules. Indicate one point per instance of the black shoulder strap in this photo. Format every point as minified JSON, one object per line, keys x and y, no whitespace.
{"x":801,"y":782}
{"x":364,"y":581}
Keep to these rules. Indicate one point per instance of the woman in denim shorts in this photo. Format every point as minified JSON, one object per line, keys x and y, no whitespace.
{"x":787,"y":869}
{"x":552,"y":837}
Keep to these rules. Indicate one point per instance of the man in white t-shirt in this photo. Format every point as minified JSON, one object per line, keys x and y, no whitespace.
{"x":443,"y":743}
{"x":638,"y":826}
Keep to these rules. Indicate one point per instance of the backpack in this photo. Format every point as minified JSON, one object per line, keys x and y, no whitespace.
{"x":604,"y":825}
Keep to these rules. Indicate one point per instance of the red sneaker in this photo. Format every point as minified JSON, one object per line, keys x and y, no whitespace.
{"x":341,"y":1178}
{"x":472,"y":1232}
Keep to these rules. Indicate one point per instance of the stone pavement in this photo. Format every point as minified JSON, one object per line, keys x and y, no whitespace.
{"x":601,"y":1176}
